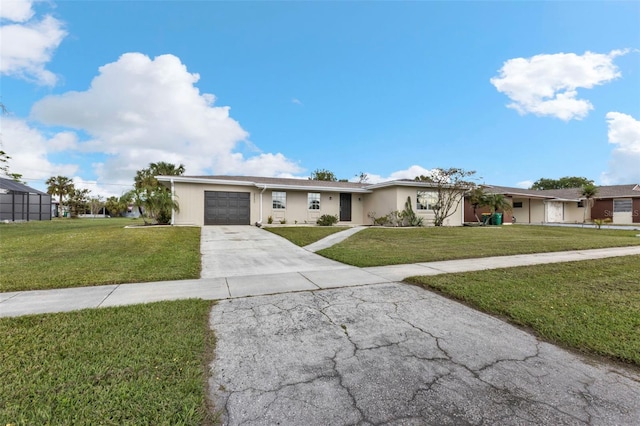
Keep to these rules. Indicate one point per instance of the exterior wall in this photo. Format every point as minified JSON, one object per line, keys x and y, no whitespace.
{"x":380,"y":202}
{"x":297,"y":210}
{"x":190,"y":198}
{"x":386,"y":200}
{"x":602,"y":209}
{"x":536,"y":211}
{"x":522,"y":214}
{"x":507,"y":217}
{"x":573,"y":213}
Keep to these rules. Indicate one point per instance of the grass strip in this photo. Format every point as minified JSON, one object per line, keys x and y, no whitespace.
{"x":304,"y":235}
{"x":83,"y":252}
{"x":142,"y":364}
{"x":592,"y":306}
{"x":392,"y":246}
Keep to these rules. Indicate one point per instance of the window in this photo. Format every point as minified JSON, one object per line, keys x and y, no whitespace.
{"x":279,"y":200}
{"x":622,"y":205}
{"x":427,"y":200}
{"x":517,"y":204}
{"x":314,"y":200}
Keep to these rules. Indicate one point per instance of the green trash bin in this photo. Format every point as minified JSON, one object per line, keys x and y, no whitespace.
{"x":496,"y":219}
{"x":486,"y":218}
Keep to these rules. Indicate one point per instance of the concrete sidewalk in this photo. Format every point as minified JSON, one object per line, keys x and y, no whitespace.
{"x":333,"y":239}
{"x":255,"y":284}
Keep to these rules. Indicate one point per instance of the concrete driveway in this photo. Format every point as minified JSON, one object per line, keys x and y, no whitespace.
{"x":397,"y":354}
{"x":229,"y":251}
{"x":383,"y":352}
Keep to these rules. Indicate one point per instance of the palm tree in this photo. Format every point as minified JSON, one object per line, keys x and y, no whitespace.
{"x":153,"y":197}
{"x":476,"y":199}
{"x":497,"y":202}
{"x":60,"y":186}
{"x":589,"y":191}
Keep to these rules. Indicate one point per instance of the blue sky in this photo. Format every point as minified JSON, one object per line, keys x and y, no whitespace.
{"x":514,"y":90}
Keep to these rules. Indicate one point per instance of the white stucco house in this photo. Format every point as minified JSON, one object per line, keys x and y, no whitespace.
{"x":244,"y":200}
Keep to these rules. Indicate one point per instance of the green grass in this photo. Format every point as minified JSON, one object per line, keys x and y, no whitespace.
{"x":390,"y":246}
{"x":83,"y":252}
{"x":304,"y":235}
{"x":592,"y":306}
{"x":142,"y":364}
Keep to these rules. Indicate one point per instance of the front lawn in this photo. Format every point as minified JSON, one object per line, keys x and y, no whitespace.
{"x":391,"y":246}
{"x":592,"y":306}
{"x":143,"y":364}
{"x":304,"y":235}
{"x":84,"y":252}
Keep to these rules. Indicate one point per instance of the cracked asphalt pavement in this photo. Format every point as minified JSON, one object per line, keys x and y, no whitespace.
{"x":397,"y":354}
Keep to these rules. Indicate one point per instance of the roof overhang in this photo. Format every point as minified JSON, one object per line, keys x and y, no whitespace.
{"x":166,"y":180}
{"x":413,"y":184}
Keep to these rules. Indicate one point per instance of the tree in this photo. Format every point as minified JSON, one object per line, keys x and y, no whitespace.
{"x":117,"y":206}
{"x":4,"y":157}
{"x":588,"y":191}
{"x":95,"y":205}
{"x":153,"y":199}
{"x":497,"y":202}
{"x":562,"y":183}
{"x":450,"y":186}
{"x":78,"y":201}
{"x":60,"y":186}
{"x":477,"y":198}
{"x":323,"y":174}
{"x":363,"y":177}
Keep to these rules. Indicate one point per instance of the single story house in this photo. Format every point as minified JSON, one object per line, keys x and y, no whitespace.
{"x":620,"y":203}
{"x":244,"y":200}
{"x":19,"y":202}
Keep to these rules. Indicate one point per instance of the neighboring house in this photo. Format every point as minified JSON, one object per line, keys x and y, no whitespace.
{"x":244,"y":200}
{"x":19,"y":202}
{"x":620,"y":203}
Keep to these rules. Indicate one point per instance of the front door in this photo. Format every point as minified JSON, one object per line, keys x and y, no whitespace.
{"x":345,"y":207}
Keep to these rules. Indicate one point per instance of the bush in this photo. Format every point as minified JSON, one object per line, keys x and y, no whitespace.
{"x":327,"y":220}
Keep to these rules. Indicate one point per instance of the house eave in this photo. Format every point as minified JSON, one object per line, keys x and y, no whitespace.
{"x":165,"y":180}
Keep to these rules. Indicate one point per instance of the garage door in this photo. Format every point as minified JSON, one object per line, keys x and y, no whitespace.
{"x":226,"y":208}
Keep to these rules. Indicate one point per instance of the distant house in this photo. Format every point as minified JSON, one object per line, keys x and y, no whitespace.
{"x":620,"y":203}
{"x":244,"y":200}
{"x":19,"y":202}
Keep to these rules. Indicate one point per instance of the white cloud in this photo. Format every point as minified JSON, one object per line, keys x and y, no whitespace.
{"x":139,"y":110}
{"x":409,"y":173}
{"x":16,"y":10}
{"x":63,"y":141}
{"x":296,"y":101}
{"x":525,"y":184}
{"x":624,"y":164}
{"x":28,"y":44}
{"x":546,"y":85}
{"x":28,"y":149}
